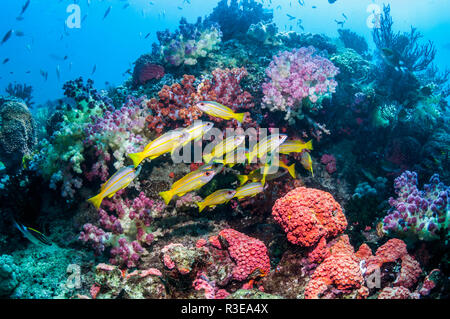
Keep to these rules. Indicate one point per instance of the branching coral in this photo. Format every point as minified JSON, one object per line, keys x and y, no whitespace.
{"x":21,"y":91}
{"x":416,"y":56}
{"x":353,"y":41}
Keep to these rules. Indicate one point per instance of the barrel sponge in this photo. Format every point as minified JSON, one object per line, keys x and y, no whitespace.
{"x":17,"y":133}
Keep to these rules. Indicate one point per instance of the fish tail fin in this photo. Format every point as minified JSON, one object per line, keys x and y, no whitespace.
{"x":96,"y":200}
{"x":309,"y":145}
{"x":207,"y":158}
{"x":312,"y":171}
{"x":201,"y":206}
{"x":137,"y":158}
{"x":250,"y":157}
{"x":240,"y":117}
{"x":167,"y":196}
{"x":291,"y":170}
{"x":242,"y":179}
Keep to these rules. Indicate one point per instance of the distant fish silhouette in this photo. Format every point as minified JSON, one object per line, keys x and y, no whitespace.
{"x":290,"y":17}
{"x":94,"y":69}
{"x":7,"y":36}
{"x":107,"y":12}
{"x":25,"y":7}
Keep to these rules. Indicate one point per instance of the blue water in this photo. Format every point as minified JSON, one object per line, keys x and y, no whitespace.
{"x":113,"y":43}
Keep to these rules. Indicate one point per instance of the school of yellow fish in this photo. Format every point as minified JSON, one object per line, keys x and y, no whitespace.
{"x":223,"y":153}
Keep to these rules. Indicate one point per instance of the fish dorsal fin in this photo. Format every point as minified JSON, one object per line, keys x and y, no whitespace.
{"x":39,"y":236}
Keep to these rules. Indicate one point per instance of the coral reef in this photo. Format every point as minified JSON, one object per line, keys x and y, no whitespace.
{"x":326,"y":227}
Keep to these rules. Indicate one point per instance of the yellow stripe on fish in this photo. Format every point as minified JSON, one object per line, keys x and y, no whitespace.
{"x":188,"y":183}
{"x":295,"y":146}
{"x":266,"y":145}
{"x":249,"y":190}
{"x":221,"y":111}
{"x":221,"y":196}
{"x":164,"y":144}
{"x":226,"y":146}
{"x":307,"y":162}
{"x":196,"y":131}
{"x":120,"y":180}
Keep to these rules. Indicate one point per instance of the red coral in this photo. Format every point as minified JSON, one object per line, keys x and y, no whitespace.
{"x":249,"y":254}
{"x":176,"y":104}
{"x":409,"y":273}
{"x":364,"y":252}
{"x":395,"y":293}
{"x":307,"y":215}
{"x":149,"y":72}
{"x":392,"y":250}
{"x":339,"y":271}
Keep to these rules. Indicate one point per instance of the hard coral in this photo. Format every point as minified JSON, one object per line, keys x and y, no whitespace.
{"x":249,"y":254}
{"x":340,"y":270}
{"x":307,"y":215}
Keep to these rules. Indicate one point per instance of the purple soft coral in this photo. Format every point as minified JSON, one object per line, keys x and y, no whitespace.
{"x":126,"y":230}
{"x":415,"y":213}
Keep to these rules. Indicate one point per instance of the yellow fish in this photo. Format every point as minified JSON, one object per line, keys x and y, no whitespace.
{"x":307,"y":162}
{"x":188,"y":183}
{"x":249,"y":190}
{"x":221,"y":196}
{"x":238,"y":157}
{"x":266,"y":145}
{"x":164,"y":144}
{"x":295,"y":146}
{"x":221,"y":111}
{"x":120,"y":180}
{"x":224,"y":147}
{"x":260,"y":174}
{"x":196,"y":131}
